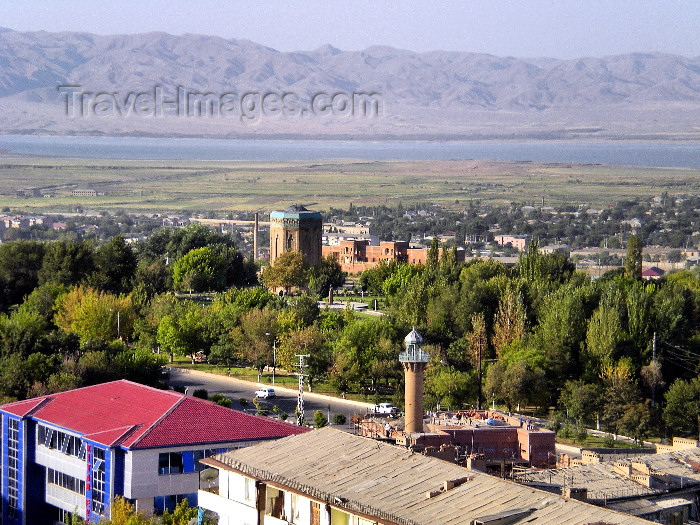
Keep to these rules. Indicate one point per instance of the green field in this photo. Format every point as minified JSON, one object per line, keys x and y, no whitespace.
{"x":219,"y":187}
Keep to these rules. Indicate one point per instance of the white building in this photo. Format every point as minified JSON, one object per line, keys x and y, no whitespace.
{"x":331,"y":477}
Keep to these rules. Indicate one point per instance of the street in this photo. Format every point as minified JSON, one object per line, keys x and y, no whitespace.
{"x":286,"y":399}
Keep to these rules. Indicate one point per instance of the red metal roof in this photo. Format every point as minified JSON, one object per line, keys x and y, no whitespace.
{"x":653,"y":271}
{"x":137,"y":416}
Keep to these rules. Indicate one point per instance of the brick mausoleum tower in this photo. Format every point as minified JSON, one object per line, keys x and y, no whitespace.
{"x":299,"y":229}
{"x":414,"y":361}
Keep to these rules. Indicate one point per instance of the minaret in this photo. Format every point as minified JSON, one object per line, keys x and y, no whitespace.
{"x":414,"y":361}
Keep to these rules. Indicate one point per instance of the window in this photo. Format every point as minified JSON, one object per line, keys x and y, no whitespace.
{"x":13,"y":468}
{"x":63,"y":516}
{"x":274,"y":504}
{"x":170,"y":463}
{"x":57,"y":440}
{"x":161,"y":503}
{"x":65,"y":481}
{"x":201,"y":454}
{"x":249,"y":489}
{"x":296,"y":511}
{"x":315,"y":513}
{"x":98,"y":480}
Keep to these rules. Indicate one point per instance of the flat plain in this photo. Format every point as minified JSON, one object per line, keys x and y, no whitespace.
{"x":190,"y":187}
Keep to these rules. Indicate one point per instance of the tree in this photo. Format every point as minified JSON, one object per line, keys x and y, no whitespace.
{"x":325,"y":275}
{"x":682,"y":411}
{"x":674,"y":257}
{"x":603,"y":335}
{"x":476,"y":339}
{"x":638,"y":305}
{"x":653,"y":378}
{"x":447,"y":386}
{"x":43,"y":299}
{"x":92,"y":314}
{"x":237,"y":271}
{"x":67,"y":262}
{"x":621,"y":394}
{"x":115,"y":266}
{"x":199,"y":270}
{"x":154,"y":276}
{"x":181,"y":332}
{"x":288,"y":271}
{"x":510,"y":322}
{"x":633,"y":259}
{"x":20,"y":262}
{"x":308,"y":340}
{"x":320,"y":420}
{"x":580,"y":400}
{"x":252,"y":339}
{"x":523,"y":384}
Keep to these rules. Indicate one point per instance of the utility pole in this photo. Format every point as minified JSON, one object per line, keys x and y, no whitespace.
{"x":653,"y":360}
{"x":300,"y":394}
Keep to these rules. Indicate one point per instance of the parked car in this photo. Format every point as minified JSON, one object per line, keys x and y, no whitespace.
{"x":385,"y":409}
{"x":265,"y":393}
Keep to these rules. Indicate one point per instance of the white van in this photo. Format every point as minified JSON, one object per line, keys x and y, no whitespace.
{"x":265,"y":393}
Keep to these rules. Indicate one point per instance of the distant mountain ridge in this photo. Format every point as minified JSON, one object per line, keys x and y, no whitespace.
{"x":432,"y":93}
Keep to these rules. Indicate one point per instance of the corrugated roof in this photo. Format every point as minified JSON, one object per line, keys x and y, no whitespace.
{"x":390,"y":483}
{"x":678,"y":468}
{"x":123,"y":413}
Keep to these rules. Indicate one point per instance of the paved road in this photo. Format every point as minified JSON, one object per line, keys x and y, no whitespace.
{"x":286,"y":398}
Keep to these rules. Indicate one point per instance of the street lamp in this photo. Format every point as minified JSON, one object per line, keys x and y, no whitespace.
{"x":274,"y":355}
{"x":118,"y":330}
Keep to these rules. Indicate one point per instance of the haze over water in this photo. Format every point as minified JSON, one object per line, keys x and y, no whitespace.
{"x":630,"y":154}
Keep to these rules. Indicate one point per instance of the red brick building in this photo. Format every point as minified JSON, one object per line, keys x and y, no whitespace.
{"x":356,"y":256}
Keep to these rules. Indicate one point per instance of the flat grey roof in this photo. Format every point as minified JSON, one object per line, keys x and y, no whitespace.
{"x":388,"y":482}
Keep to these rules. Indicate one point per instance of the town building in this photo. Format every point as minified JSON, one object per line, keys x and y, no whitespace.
{"x":332,"y":477}
{"x":334,"y":233}
{"x":663,"y":487}
{"x":490,"y":439}
{"x":77,"y":450}
{"x":653,"y":273}
{"x":296,"y":229}
{"x":520,"y":242}
{"x":83,"y":192}
{"x":356,"y":256}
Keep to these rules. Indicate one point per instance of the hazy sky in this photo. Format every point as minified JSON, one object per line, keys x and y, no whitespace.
{"x":554,"y":28}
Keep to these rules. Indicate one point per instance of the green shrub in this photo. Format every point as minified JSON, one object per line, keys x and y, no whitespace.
{"x":339,"y":419}
{"x":243,"y":402}
{"x":222,"y":400}
{"x":201,"y":393}
{"x":320,"y":420}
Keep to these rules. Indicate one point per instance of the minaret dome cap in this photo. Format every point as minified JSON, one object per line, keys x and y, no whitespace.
{"x":413,"y":337}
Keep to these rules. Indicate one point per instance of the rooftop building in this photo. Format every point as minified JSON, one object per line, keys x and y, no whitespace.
{"x":77,"y":450}
{"x":660,"y":487}
{"x":329,"y":476}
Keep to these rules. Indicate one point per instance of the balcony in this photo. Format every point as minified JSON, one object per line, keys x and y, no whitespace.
{"x":414,"y":356}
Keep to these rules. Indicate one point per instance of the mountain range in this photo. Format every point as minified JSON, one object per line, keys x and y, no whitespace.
{"x":435,"y":94}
